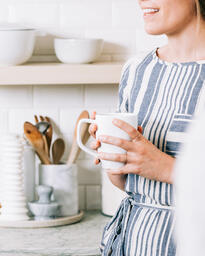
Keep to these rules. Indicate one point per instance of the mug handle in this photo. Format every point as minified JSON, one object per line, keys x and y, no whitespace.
{"x":79,"y":141}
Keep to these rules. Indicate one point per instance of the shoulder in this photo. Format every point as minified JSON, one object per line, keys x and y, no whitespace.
{"x":136,"y":60}
{"x":130,"y":67}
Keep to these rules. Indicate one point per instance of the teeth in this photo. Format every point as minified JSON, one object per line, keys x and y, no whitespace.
{"x":150,"y":10}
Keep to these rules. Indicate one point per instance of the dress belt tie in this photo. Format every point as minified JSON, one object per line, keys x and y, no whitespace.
{"x":118,"y":225}
{"x":158,"y":206}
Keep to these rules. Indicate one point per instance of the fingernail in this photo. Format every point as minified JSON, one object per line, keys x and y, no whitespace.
{"x":115,"y":121}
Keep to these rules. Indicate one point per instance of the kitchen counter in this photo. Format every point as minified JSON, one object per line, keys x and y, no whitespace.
{"x":80,"y":239}
{"x":59,"y":73}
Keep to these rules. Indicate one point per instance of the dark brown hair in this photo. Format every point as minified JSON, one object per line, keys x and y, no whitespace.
{"x":202,"y":8}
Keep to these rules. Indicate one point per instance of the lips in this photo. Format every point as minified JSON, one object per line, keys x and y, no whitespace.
{"x":148,"y":11}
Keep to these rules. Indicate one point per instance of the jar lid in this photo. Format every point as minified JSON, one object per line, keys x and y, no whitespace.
{"x":13,"y":27}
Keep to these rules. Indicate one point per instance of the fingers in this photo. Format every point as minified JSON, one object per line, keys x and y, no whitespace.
{"x":93,"y":115}
{"x":140,"y":129}
{"x":113,"y":157}
{"x":96,"y":161}
{"x":93,"y":127}
{"x":92,"y":130}
{"x":126,"y":169}
{"x":134,"y":134}
{"x":95,"y":144}
{"x":125,"y":144}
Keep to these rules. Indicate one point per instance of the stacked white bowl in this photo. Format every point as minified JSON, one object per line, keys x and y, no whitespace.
{"x":11,"y":176}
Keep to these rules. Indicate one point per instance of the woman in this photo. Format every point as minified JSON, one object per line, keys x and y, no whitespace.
{"x":166,"y":88}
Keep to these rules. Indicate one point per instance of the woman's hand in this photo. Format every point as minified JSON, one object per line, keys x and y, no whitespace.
{"x":142,"y":157}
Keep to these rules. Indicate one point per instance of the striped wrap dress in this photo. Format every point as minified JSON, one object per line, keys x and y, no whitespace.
{"x":166,"y":97}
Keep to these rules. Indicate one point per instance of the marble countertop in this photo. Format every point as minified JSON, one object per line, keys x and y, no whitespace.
{"x":80,"y":239}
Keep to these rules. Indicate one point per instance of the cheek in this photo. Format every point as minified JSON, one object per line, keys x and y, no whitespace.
{"x":170,"y":19}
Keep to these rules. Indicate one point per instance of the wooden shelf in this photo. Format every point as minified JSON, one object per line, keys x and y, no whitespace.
{"x":58,"y":73}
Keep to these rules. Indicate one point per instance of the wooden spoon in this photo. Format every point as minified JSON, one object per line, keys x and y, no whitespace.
{"x":75,"y":150}
{"x":36,"y":140}
{"x":49,"y":133}
{"x":43,"y":127}
{"x":58,"y":150}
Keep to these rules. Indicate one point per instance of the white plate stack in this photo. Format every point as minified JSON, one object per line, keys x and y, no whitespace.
{"x":11,"y":176}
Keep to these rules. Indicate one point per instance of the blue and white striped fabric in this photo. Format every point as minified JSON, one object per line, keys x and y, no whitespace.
{"x":166,"y":96}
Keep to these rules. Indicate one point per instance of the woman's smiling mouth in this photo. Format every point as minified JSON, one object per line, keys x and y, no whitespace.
{"x":149,"y":11}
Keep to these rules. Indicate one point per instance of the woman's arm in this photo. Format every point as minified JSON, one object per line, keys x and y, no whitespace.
{"x":118,"y":180}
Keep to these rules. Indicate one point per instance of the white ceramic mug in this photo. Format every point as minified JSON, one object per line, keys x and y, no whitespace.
{"x":106,"y":127}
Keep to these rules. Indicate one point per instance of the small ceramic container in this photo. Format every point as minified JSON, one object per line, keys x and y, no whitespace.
{"x":44,"y":208}
{"x":63,"y":179}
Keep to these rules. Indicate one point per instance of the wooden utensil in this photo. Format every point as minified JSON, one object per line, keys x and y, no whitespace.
{"x":58,"y":150}
{"x":49,"y":131}
{"x":43,"y":127}
{"x":36,"y":140}
{"x":75,"y":150}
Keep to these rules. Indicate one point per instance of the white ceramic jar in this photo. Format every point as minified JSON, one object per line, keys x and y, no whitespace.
{"x":63,"y":179}
{"x":29,"y":172}
{"x":12,"y":189}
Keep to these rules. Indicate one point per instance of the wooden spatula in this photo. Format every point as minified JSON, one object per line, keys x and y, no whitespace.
{"x":58,"y":149}
{"x":75,"y":150}
{"x":35,"y":138}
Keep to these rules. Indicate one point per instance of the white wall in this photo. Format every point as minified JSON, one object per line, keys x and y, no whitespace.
{"x":118,"y":22}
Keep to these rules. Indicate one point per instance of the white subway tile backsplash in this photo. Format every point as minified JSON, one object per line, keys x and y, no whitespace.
{"x":3,"y":120}
{"x":67,"y":32}
{"x":68,"y":118}
{"x":44,"y":45}
{"x":93,"y":197}
{"x":100,"y":96}
{"x":17,"y":117}
{"x":82,"y":197}
{"x":37,"y":14}
{"x":145,"y":42}
{"x":68,"y":138}
{"x":4,"y":12}
{"x":61,"y":96}
{"x":126,"y":14}
{"x":116,"y":40}
{"x":88,"y":172}
{"x":16,"y":96}
{"x":87,"y":13}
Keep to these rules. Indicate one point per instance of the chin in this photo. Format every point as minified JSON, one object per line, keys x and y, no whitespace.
{"x":154,"y":31}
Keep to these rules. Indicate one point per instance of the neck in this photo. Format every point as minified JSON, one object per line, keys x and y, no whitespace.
{"x":187,"y":44}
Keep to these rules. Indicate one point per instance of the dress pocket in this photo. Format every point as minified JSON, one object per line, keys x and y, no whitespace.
{"x":177,"y":133}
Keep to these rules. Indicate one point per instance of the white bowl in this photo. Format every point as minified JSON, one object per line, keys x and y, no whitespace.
{"x":16,"y":44}
{"x":78,"y":50}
